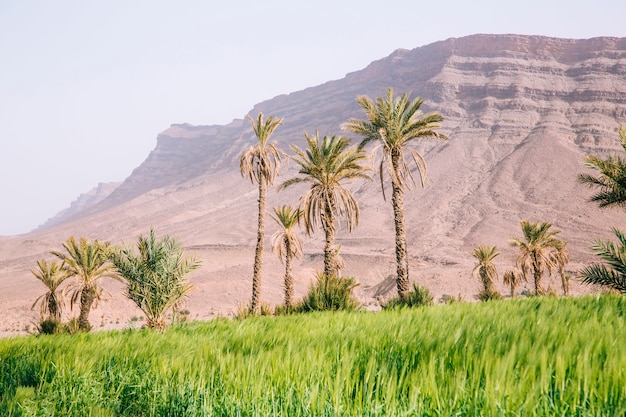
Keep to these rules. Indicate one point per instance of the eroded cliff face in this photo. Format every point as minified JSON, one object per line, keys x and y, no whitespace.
{"x":521,"y":113}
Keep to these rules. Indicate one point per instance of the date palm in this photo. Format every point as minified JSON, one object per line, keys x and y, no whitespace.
{"x":87,"y":262}
{"x":286,"y":244}
{"x":260,"y":163}
{"x":612,"y":275}
{"x":513,"y":278}
{"x":611,"y":178}
{"x":155,"y":276}
{"x":561,"y":259}
{"x":537,"y":251}
{"x":394,"y":123}
{"x":485,"y":269}
{"x":326,"y":165}
{"x":52,"y":275}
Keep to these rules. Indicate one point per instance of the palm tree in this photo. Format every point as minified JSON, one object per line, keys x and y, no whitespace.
{"x":286,"y":244}
{"x":613,"y":275}
{"x":155,"y":277}
{"x":326,"y":165}
{"x":261,"y":163}
{"x":87,"y":262}
{"x":394,"y":123}
{"x":537,"y":251}
{"x":561,"y":259}
{"x":512,"y":278}
{"x":52,"y":276}
{"x":486,"y":270}
{"x":611,"y":179}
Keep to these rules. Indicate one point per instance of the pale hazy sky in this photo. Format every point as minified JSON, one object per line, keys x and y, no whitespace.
{"x":86,"y":86}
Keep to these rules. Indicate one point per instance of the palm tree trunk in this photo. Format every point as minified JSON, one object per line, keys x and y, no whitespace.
{"x":86,"y":301}
{"x":53,"y":307}
{"x":564,"y":281}
{"x":330,"y":253}
{"x":402,"y":279}
{"x":537,"y":272}
{"x":288,"y":277}
{"x":258,"y":255}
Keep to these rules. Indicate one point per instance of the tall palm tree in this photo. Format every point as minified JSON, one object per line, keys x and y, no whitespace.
{"x":326,"y":165}
{"x":611,"y":179}
{"x":155,"y":277}
{"x":537,"y":251}
{"x":286,"y":244}
{"x":394,"y":124}
{"x":261,"y":163}
{"x":52,"y":275}
{"x":485,"y":269}
{"x":612,"y":275}
{"x":512,"y":278}
{"x":87,"y":262}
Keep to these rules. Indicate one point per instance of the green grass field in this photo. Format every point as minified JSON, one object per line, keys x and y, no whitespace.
{"x":538,"y":356}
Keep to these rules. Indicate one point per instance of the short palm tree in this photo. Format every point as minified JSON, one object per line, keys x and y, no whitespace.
{"x":561,"y":259}
{"x":286,"y":244}
{"x":537,"y":251}
{"x":52,"y":275}
{"x":261,"y":163}
{"x":611,"y":178}
{"x":326,"y":165}
{"x":155,"y":276}
{"x":612,"y":275}
{"x":87,"y":262}
{"x":485,"y":269}
{"x":513,"y":278}
{"x":394,"y":124}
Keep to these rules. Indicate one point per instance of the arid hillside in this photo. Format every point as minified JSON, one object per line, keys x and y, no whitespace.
{"x":521,"y":113}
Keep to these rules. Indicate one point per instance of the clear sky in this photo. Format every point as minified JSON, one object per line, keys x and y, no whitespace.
{"x":86,"y":86}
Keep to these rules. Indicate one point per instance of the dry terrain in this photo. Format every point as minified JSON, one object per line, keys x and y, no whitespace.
{"x":521,"y":113}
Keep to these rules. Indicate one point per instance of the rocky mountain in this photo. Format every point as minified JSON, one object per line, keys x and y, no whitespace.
{"x":521,"y":112}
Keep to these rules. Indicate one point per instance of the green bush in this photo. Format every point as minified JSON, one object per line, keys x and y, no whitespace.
{"x":489,"y":294}
{"x":418,"y":297}
{"x":329,"y":293}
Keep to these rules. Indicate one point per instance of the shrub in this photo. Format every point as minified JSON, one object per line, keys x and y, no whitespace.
{"x":50,"y":326}
{"x":487,"y":294}
{"x":329,"y":293}
{"x":417,"y":297}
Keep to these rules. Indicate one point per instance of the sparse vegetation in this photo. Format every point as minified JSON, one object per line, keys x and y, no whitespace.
{"x":419,"y":297}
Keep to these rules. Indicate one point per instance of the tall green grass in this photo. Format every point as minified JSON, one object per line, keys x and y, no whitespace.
{"x":539,"y":356}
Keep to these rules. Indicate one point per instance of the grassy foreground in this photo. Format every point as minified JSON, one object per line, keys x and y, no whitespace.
{"x":540,"y":356}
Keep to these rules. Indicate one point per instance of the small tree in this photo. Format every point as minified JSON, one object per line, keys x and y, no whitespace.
{"x":486,"y":271}
{"x":537,"y":251}
{"x":155,"y":277}
{"x":286,"y":244}
{"x":87,"y":262}
{"x":513,"y":278}
{"x":52,"y":275}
